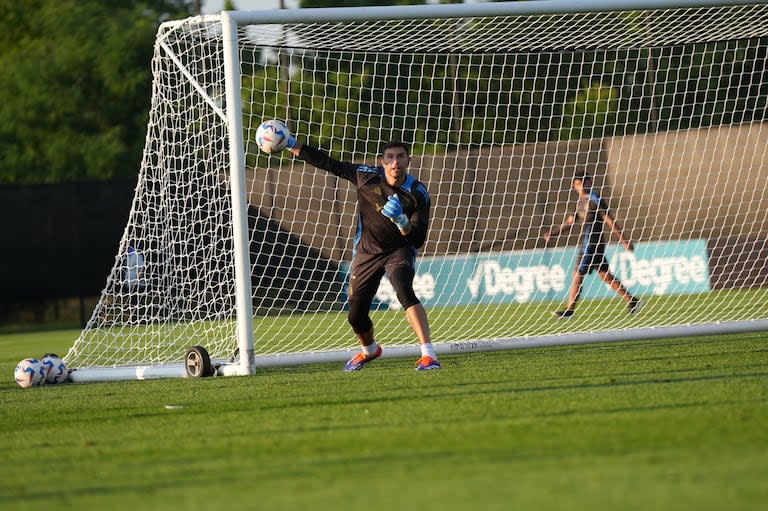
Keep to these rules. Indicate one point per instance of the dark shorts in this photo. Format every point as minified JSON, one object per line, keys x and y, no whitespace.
{"x":367,"y":271}
{"x":592,"y":258}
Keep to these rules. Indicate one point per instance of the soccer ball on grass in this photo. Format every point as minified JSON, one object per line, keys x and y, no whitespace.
{"x":272,"y":136}
{"x":29,"y":373}
{"x":55,"y":369}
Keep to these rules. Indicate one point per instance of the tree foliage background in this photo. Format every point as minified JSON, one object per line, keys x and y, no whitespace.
{"x":75,"y":90}
{"x":75,"y":82}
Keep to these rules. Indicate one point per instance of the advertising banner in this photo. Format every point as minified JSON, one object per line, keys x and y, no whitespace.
{"x":661,"y":268}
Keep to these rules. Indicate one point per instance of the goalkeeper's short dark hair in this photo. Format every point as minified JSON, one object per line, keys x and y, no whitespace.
{"x":396,"y":143}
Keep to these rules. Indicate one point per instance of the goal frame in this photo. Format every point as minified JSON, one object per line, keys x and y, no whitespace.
{"x":248,"y":363}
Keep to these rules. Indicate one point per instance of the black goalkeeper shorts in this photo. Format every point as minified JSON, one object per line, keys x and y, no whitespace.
{"x":368,"y":269}
{"x":592,"y":258}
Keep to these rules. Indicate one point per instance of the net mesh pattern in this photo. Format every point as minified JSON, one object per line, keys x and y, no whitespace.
{"x":665,"y":108}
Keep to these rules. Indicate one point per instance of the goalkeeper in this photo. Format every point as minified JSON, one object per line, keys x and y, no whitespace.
{"x":592,"y":212}
{"x":393,"y":216}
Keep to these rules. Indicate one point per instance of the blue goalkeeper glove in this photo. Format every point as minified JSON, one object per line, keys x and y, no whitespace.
{"x":290,"y":141}
{"x":394,"y":211}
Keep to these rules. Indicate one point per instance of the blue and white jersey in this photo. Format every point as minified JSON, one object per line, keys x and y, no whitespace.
{"x":590,"y":211}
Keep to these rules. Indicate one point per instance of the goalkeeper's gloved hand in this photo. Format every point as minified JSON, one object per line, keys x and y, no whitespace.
{"x":394,"y":211}
{"x":290,"y":141}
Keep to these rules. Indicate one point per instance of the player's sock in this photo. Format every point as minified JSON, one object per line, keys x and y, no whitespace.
{"x":370,"y":349}
{"x":428,"y":350}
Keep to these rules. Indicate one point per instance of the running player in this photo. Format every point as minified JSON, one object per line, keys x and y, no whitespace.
{"x":592,"y":212}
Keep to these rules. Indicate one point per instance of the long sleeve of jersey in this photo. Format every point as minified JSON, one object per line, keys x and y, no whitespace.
{"x":322,"y":160}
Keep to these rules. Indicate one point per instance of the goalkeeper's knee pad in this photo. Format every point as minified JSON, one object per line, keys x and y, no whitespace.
{"x":358,"y":317}
{"x":401,"y":278}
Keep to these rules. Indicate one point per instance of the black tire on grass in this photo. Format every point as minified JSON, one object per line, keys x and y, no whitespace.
{"x":198,"y":363}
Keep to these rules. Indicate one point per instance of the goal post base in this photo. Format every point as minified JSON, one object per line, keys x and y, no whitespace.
{"x":102,"y":374}
{"x":105,"y":374}
{"x":512,"y":343}
{"x":636,"y":334}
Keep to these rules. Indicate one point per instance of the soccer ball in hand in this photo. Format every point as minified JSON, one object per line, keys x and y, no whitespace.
{"x":29,"y":373}
{"x":272,"y":136}
{"x":55,"y":369}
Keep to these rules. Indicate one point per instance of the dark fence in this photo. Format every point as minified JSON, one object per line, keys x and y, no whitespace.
{"x":59,"y":240}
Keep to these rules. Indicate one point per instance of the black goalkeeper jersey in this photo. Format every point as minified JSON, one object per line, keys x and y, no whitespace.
{"x":377,"y":234}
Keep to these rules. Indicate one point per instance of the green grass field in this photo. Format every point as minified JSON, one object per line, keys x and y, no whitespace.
{"x":669,"y":424}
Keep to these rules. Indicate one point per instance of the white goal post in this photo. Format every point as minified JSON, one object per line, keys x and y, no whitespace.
{"x":236,"y":260}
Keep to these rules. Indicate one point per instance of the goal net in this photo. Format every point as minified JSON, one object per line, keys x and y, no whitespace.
{"x":503,"y":104}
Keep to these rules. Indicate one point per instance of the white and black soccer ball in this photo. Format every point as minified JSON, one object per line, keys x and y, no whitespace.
{"x":272,"y":136}
{"x":55,"y":369}
{"x":29,"y":373}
